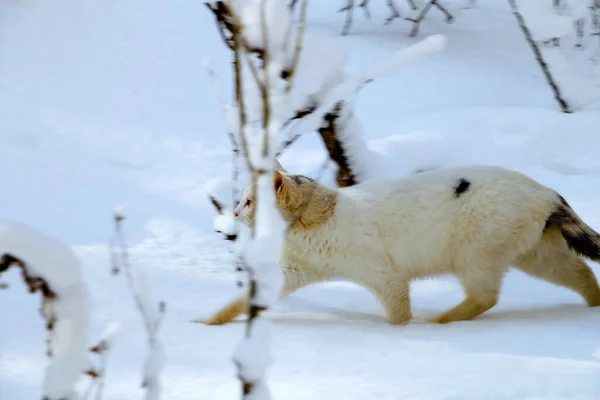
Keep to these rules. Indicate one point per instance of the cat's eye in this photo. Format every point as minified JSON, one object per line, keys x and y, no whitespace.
{"x":248,"y":202}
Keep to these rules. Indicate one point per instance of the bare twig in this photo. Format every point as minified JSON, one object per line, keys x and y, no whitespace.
{"x":349,"y":9}
{"x":223,"y":24}
{"x":34,"y":284}
{"x":540,"y":59}
{"x":237,"y":50}
{"x":394,"y":13}
{"x":417,"y":21}
{"x":152,"y":322}
{"x":290,"y":72}
{"x":365,"y":6}
{"x":579,"y":29}
{"x":595,"y":17}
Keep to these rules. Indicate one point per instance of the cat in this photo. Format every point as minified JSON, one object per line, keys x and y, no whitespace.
{"x":474,"y":222}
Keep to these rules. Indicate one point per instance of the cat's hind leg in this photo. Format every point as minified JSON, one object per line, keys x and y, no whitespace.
{"x":482,"y":290}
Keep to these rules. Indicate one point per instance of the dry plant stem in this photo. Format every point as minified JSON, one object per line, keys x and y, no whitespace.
{"x":239,"y":45}
{"x":595,"y":17}
{"x":34,"y":284}
{"x":394,"y":13}
{"x":413,"y":6}
{"x":579,"y":28}
{"x":447,"y":14}
{"x":365,"y":6}
{"x":264,"y":85}
{"x":300,"y":32}
{"x":423,"y":13}
{"x":220,"y":11}
{"x":234,"y":146}
{"x":540,"y":59}
{"x":151,"y":326}
{"x":99,"y":374}
{"x":237,"y":49}
{"x":349,"y":8}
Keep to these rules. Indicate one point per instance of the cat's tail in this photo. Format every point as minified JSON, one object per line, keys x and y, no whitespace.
{"x":579,"y":236}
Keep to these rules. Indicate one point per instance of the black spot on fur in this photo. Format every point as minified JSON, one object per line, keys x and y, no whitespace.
{"x":461,"y":187}
{"x":562,"y":215}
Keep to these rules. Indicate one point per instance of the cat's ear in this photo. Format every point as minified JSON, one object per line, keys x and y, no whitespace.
{"x":278,"y":181}
{"x":279,"y":167}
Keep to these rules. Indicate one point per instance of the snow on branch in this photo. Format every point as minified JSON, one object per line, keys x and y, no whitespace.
{"x":152,"y":316}
{"x":322,"y":102}
{"x":329,"y":111}
{"x":270,"y":54}
{"x":49,"y":267}
{"x":102,"y":348}
{"x":347,"y":88}
{"x":423,"y":13}
{"x":594,"y":8}
{"x":266,"y":48}
{"x":419,"y":14}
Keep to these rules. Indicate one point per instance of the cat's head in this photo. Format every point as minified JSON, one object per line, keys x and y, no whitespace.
{"x":292,"y":191}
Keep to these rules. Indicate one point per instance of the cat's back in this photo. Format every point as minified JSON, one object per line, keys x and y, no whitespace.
{"x":429,"y":199}
{"x":440,"y":184}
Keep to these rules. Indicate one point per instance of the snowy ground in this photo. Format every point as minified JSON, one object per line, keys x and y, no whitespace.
{"x":106,"y":103}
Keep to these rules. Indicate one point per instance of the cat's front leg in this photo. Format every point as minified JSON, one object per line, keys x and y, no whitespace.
{"x":228,"y":313}
{"x":394,"y":294}
{"x":295,"y":278}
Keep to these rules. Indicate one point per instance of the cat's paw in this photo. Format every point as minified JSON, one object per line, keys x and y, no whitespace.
{"x":209,"y":321}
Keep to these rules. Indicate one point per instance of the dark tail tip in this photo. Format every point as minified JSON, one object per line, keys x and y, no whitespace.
{"x":579,"y":237}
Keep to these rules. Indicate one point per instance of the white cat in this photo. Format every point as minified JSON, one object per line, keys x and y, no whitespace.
{"x":474,"y":222}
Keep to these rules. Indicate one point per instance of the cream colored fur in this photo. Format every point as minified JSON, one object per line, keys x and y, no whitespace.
{"x":384,"y":234}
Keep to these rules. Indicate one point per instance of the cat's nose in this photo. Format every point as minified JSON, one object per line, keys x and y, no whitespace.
{"x":236,"y":213}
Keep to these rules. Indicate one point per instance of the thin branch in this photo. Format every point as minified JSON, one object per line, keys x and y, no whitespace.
{"x":234,"y":146}
{"x":579,"y":29}
{"x":265,"y":84}
{"x":223,"y":24}
{"x":291,"y":71}
{"x":394,"y":13}
{"x":413,"y":6}
{"x":595,"y":17}
{"x":151,"y":323}
{"x":365,"y":6}
{"x":417,"y":21}
{"x":349,"y":8}
{"x":540,"y":59}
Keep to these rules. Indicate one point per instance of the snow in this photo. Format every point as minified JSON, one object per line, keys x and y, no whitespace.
{"x":107,"y":103}
{"x":47,"y":258}
{"x":112,"y":331}
{"x":266,"y":25}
